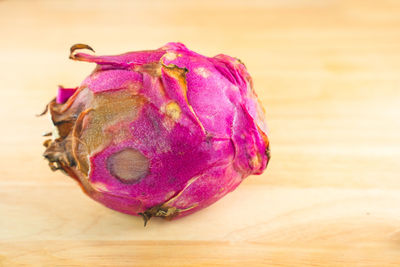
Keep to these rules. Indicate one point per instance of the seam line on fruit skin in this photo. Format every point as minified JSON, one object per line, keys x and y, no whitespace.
{"x":188,"y":184}
{"x":192,"y":180}
{"x":173,"y":198}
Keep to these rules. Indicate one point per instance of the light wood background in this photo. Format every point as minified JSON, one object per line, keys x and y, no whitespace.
{"x":328,"y":73}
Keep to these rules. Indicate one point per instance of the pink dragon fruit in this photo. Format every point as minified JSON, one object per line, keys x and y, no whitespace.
{"x":160,"y":133}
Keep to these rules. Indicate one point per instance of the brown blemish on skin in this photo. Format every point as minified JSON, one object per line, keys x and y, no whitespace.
{"x":132,"y":87}
{"x":109,"y":108}
{"x":128,"y":165}
{"x":153,"y":69}
{"x":120,"y":131}
{"x":83,"y":124}
{"x":83,"y":165}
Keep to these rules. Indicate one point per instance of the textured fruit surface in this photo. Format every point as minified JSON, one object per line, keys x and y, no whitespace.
{"x":161,"y":132}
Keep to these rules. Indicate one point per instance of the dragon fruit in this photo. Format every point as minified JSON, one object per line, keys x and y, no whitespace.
{"x":158,"y":133}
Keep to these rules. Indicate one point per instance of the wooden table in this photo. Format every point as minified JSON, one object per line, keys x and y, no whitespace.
{"x":328,"y":73}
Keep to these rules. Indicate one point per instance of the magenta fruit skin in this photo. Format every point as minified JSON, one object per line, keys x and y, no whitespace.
{"x":64,"y":94}
{"x":162,"y":133}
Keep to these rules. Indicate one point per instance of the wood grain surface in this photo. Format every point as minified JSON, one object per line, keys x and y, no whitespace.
{"x":328,"y":74}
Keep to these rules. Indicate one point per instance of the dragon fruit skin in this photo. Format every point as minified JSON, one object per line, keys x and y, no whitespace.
{"x":160,"y":133}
